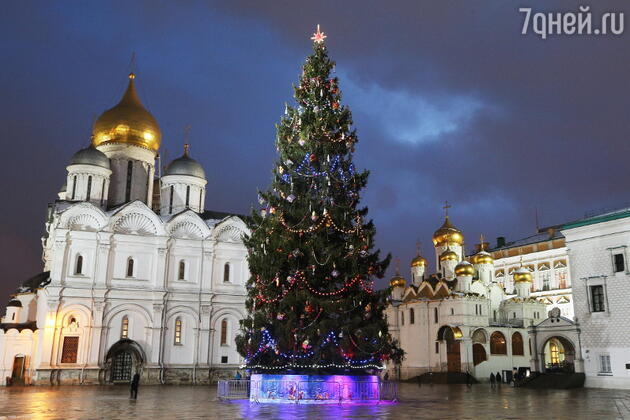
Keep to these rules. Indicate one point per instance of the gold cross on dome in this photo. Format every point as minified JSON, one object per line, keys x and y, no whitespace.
{"x":418,"y":246}
{"x":481,"y":244}
{"x":318,"y":37}
{"x":446,"y":207}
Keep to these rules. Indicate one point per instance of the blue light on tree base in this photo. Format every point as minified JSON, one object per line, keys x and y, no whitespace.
{"x":314,"y":389}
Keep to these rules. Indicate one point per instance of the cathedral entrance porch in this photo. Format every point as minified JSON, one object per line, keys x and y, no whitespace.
{"x":123,"y":360}
{"x":451,"y":338}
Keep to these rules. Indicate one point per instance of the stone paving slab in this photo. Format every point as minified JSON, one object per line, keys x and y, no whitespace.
{"x":199,"y":402}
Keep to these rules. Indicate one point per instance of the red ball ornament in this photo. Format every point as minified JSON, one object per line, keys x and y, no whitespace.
{"x":309,"y":309}
{"x":313,"y":158}
{"x":335,"y":105}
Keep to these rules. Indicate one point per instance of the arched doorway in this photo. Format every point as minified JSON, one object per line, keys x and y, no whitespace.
{"x":559,"y":355}
{"x":453,"y":352}
{"x":17,"y":373}
{"x":123,"y":360}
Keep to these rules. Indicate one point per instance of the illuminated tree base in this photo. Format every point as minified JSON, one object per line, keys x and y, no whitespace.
{"x":315,"y":389}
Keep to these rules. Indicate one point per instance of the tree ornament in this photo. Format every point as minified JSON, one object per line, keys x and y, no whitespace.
{"x":263,"y":213}
{"x":335,"y":273}
{"x":290,"y":198}
{"x":280,"y":316}
{"x":312,"y":157}
{"x":272,"y":210}
{"x":335,"y":105}
{"x":301,"y":142}
{"x":314,"y":216}
{"x":305,"y":345}
{"x":309,"y":308}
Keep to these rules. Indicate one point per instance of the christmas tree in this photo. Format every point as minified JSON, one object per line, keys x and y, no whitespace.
{"x":311,"y":297}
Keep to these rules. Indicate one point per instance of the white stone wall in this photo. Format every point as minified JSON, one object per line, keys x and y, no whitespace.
{"x":591,"y":250}
{"x":92,"y":304}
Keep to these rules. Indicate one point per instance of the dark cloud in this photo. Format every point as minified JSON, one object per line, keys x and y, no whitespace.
{"x":450,"y":100}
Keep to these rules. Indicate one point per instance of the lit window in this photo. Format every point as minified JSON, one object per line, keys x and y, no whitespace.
{"x":497,"y":343}
{"x":130,"y":267}
{"x":224,"y":327}
{"x":226,"y":273}
{"x":79,"y":266}
{"x":182,"y":270}
{"x":124,"y":329}
{"x":554,"y":353}
{"x":178,"y":331}
{"x":597,"y":298}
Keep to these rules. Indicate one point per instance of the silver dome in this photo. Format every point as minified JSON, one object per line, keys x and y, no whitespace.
{"x":185,"y":165}
{"x":90,"y":156}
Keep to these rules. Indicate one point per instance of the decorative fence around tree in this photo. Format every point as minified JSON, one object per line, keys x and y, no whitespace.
{"x":307,"y":391}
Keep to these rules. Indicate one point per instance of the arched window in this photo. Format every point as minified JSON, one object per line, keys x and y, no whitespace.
{"x":497,"y":343}
{"x":200,"y":194}
{"x":178,"y":331}
{"x":103,"y":192}
{"x":479,"y":336}
{"x":129,"y":175}
{"x":182,"y":270}
{"x":78,"y":269}
{"x":187,"y":195}
{"x":74,"y":187}
{"x":130,"y":267}
{"x":412,"y":316}
{"x":435,"y":315}
{"x":517,"y":344}
{"x":224,"y":327}
{"x":124,"y":327}
{"x":226,"y":273}
{"x":170,"y":200}
{"x":89,"y":188}
{"x":402,"y":318}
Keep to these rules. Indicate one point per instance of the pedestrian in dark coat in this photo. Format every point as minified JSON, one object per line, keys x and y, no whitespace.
{"x":135,"y":383}
{"x":493,"y":380}
{"x":499,"y":379}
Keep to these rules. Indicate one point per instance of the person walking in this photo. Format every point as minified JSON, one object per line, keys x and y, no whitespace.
{"x":238,"y":376}
{"x":469,"y":380}
{"x":386,"y":377}
{"x":499,"y":378}
{"x":493,"y":380}
{"x":135,"y":383}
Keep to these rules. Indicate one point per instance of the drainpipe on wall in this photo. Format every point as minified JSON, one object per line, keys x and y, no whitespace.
{"x":164,"y":302}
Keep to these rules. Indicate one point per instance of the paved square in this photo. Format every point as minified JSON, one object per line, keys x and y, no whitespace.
{"x":199,"y":402}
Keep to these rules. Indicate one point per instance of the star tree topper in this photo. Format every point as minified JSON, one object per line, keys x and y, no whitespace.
{"x":318,"y":36}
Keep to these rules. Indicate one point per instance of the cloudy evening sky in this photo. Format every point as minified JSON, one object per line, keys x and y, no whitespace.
{"x":450,"y":100}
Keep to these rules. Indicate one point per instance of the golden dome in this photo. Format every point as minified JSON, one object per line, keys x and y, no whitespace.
{"x":447,"y":235}
{"x":522,"y":275}
{"x":397,"y":281}
{"x":464,"y":268}
{"x":419,"y":262}
{"x":449,"y":255}
{"x":482,"y":257}
{"x":128,"y":122}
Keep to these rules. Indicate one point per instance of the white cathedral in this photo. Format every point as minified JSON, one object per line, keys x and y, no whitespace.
{"x":137,"y":277}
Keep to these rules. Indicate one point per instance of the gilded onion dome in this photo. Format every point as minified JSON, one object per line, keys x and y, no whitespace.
{"x":419,"y":261}
{"x":522,"y":275}
{"x":482,"y":257}
{"x":128,"y":122}
{"x":447,"y":234}
{"x":449,"y":255}
{"x":464,"y":268}
{"x":397,"y":281}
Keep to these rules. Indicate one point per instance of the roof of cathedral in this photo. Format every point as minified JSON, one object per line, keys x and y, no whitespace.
{"x":599,"y":218}
{"x":220,"y":215}
{"x":36,"y":282}
{"x":128,"y":122}
{"x":543,"y":235}
{"x":90,"y":156}
{"x":31,"y":325}
{"x":185,"y":165}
